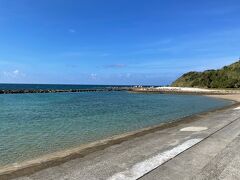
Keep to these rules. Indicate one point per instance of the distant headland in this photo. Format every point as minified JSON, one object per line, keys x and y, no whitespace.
{"x":226,"y":77}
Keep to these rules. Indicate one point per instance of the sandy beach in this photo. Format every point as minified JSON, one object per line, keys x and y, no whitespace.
{"x":185,"y":90}
{"x":233,"y":97}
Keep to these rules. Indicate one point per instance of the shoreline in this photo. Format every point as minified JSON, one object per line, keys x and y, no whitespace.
{"x":185,"y":90}
{"x":31,"y":166}
{"x":232,"y":97}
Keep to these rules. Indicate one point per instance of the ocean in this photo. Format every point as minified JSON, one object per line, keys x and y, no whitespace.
{"x":32,"y":125}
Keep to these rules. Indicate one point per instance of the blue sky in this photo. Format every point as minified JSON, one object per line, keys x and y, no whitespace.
{"x":115,"y":41}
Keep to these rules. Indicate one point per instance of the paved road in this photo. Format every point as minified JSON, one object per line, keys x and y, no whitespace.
{"x":216,"y":157}
{"x":203,"y":149}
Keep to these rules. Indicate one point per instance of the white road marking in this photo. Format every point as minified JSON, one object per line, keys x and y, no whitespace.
{"x":193,"y":128}
{"x":237,"y":108}
{"x":141,"y":168}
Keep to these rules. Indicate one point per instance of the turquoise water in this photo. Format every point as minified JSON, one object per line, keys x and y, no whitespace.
{"x":32,"y":125}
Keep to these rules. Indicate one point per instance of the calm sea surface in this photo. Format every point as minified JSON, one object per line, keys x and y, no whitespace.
{"x":32,"y":125}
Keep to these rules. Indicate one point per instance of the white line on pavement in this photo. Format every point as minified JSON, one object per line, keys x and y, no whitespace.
{"x":194,"y":128}
{"x":141,"y":168}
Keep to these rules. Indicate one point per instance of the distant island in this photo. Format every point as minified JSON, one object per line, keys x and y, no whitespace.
{"x":227,"y":77}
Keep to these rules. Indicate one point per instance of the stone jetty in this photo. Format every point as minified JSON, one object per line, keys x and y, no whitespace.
{"x":22,"y":91}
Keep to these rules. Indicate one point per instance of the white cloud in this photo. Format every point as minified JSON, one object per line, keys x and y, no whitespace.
{"x":16,"y":72}
{"x":105,"y":54}
{"x":116,"y":66}
{"x":11,"y":75}
{"x":93,"y":76}
{"x":71,"y":30}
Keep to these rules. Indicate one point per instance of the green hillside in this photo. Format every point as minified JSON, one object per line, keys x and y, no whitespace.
{"x":227,"y":77}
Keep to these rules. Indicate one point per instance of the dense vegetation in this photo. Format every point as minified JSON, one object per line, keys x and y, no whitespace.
{"x":227,"y":77}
